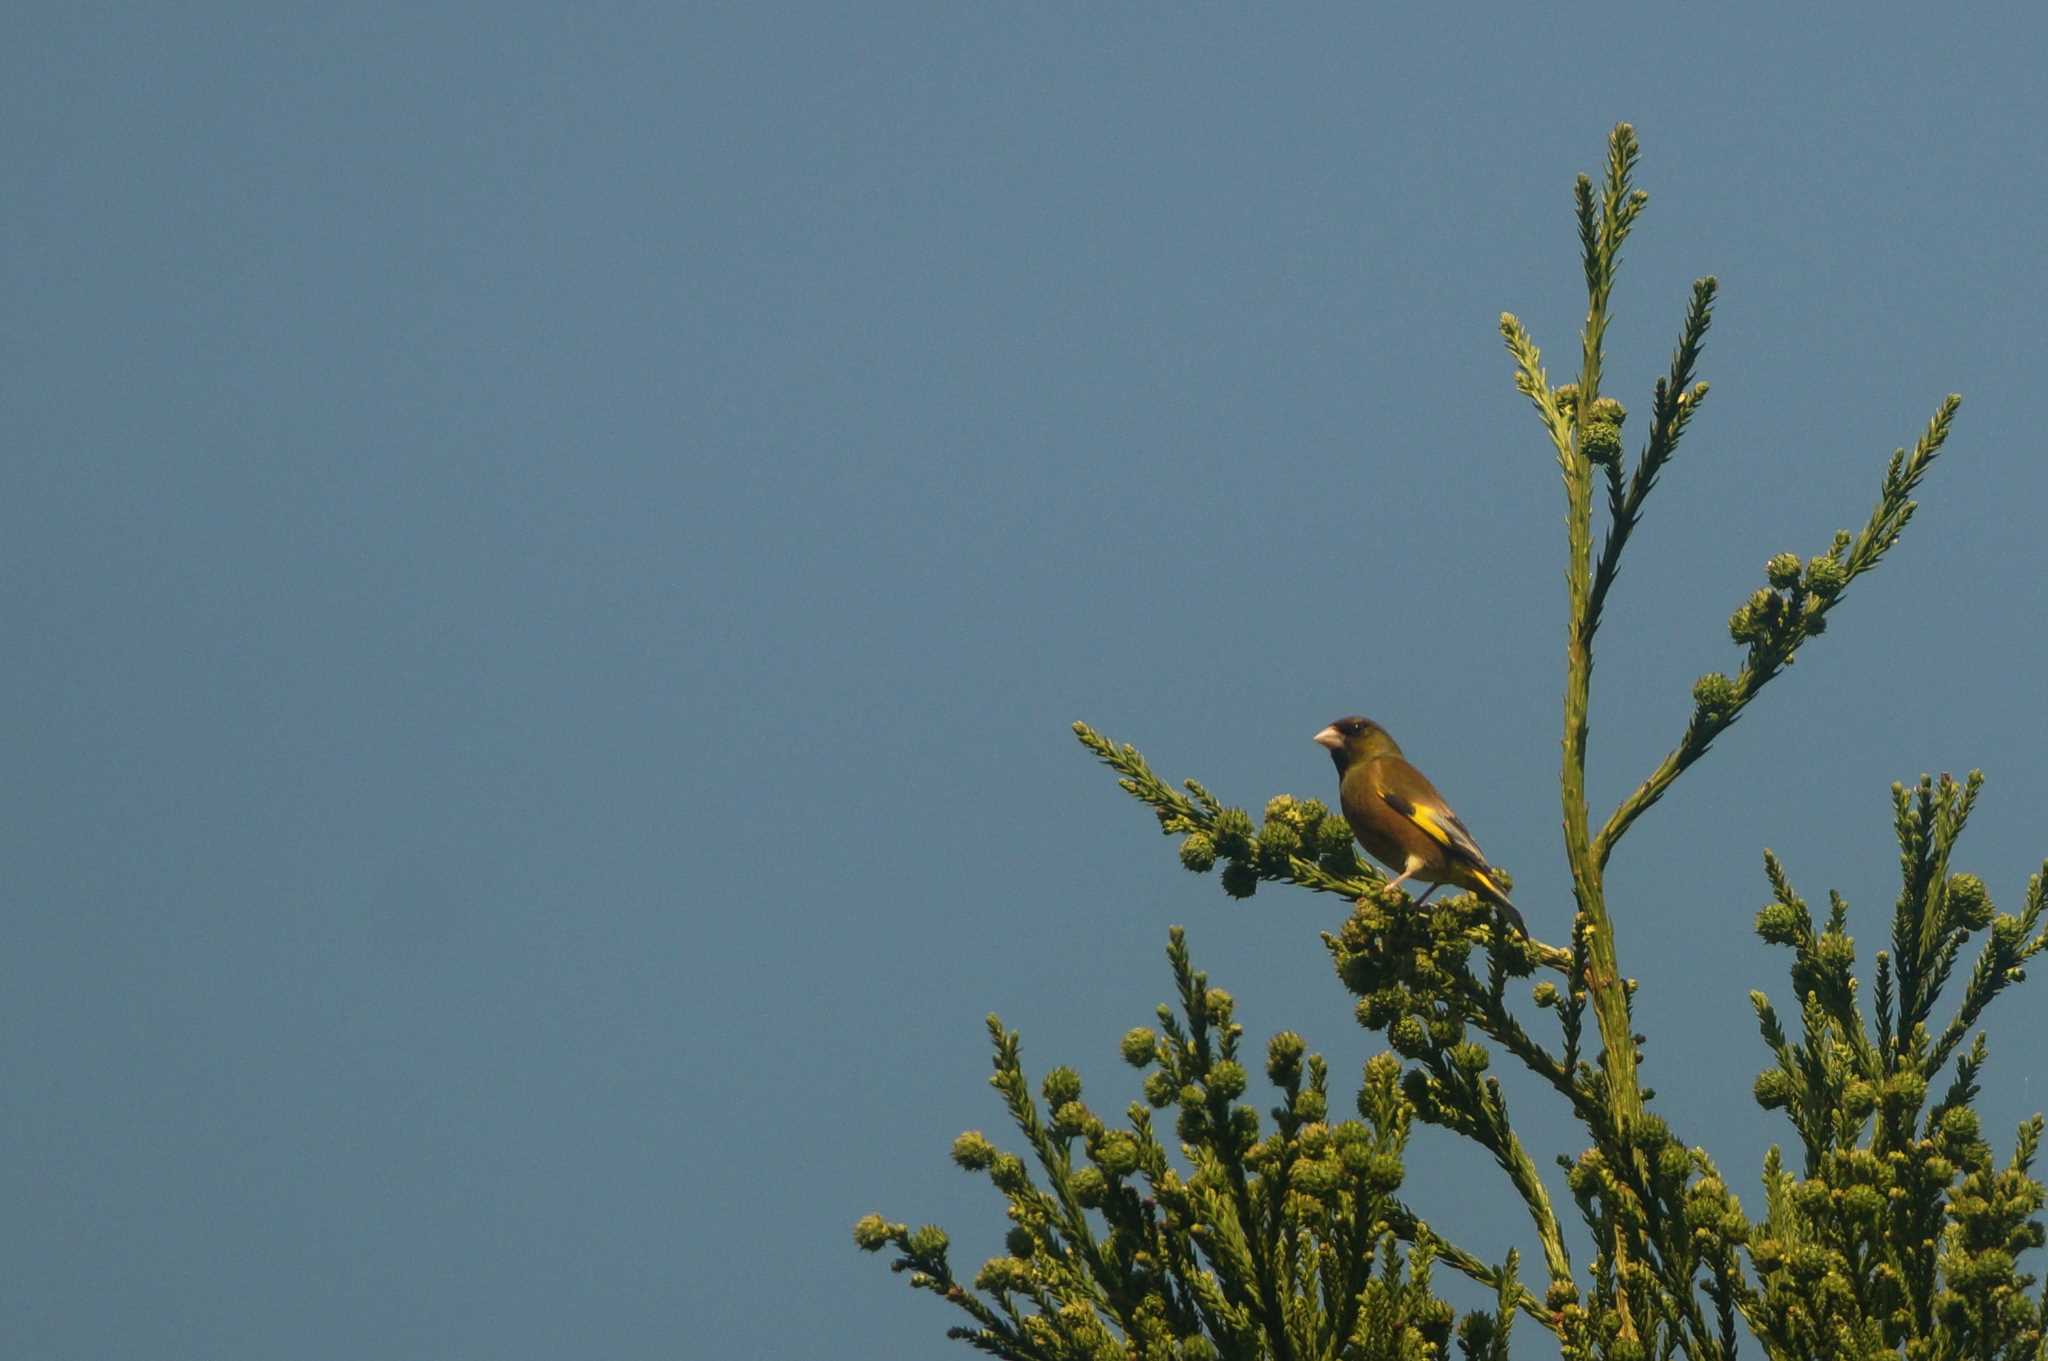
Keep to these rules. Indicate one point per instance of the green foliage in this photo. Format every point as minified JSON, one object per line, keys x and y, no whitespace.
{"x":1278,"y":1237}
{"x":1900,"y":1235}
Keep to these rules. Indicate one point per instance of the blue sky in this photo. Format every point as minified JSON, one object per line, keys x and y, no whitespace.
{"x":552,"y":553}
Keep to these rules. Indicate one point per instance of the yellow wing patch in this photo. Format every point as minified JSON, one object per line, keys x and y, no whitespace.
{"x":1425,"y":818}
{"x":1441,"y":825}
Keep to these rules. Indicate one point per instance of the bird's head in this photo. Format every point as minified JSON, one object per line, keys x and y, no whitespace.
{"x":1356,"y":739}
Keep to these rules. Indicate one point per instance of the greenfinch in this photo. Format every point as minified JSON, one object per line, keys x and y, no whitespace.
{"x":1397,"y":815}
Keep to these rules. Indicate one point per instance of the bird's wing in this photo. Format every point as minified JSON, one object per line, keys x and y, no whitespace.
{"x":1441,"y":825}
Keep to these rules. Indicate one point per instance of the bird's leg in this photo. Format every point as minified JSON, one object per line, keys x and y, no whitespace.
{"x":1413,"y":864}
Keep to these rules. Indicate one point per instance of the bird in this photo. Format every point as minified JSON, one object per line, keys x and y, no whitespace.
{"x":1397,"y":815}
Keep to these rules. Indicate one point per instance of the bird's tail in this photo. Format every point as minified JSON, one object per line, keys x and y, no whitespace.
{"x":1490,"y":891}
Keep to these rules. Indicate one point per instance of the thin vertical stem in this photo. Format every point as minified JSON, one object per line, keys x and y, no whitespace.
{"x":1602,"y":226}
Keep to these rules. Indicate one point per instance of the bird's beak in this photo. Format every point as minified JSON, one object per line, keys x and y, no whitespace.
{"x":1330,"y":737}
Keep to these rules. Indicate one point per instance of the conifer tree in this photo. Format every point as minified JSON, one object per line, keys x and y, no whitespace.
{"x":1198,"y":1228}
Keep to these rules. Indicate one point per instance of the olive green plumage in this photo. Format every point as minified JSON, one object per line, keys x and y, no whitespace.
{"x":1397,"y":815}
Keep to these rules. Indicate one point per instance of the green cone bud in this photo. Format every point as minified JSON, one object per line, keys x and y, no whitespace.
{"x":1318,"y":1176}
{"x":1061,"y":1085}
{"x":1782,"y":571}
{"x":1751,"y":623}
{"x":1073,"y":1120}
{"x":1903,"y":1091}
{"x":1470,"y":1057}
{"x":1277,"y":842}
{"x":1004,"y":1276}
{"x":1715,"y":695}
{"x":872,"y":1233}
{"x":1283,"y":1058}
{"x":1227,"y":1080}
{"x":1969,"y":902}
{"x":1383,"y":1172}
{"x":1233,"y":833}
{"x":1198,"y":852}
{"x":1600,"y":441}
{"x":1140,"y":1045}
{"x":1601,"y":437}
{"x":1409,"y":1037}
{"x":973,"y":1152}
{"x":1826,"y":576}
{"x":1773,"y":1088}
{"x":1778,"y":923}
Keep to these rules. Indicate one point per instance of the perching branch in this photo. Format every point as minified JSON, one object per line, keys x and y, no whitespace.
{"x":1277,"y":850}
